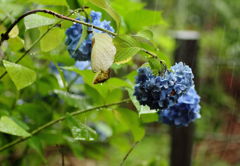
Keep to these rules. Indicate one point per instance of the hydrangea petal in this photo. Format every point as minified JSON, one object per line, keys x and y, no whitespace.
{"x":161,"y":92}
{"x":74,"y":34}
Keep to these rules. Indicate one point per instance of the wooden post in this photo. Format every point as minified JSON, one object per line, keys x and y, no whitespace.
{"x":182,"y":137}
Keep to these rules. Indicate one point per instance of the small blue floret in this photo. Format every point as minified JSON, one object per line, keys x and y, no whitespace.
{"x":184,"y":112}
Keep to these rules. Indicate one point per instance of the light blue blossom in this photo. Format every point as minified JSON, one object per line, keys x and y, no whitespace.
{"x":184,"y":112}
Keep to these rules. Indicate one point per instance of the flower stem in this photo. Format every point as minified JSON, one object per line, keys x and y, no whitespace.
{"x":155,"y":56}
{"x":46,"y":125}
{"x":128,"y":153}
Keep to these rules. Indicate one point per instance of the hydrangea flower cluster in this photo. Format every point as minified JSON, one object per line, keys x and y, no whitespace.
{"x":184,"y":112}
{"x":161,"y":92}
{"x":74,"y":34}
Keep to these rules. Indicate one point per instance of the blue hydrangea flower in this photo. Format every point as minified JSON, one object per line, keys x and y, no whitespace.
{"x":74,"y":34}
{"x":161,"y":92}
{"x":184,"y":112}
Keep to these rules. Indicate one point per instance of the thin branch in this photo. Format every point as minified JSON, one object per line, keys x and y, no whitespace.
{"x":155,"y":56}
{"x":6,"y":37}
{"x":39,"y":129}
{"x":128,"y":153}
{"x":37,"y":41}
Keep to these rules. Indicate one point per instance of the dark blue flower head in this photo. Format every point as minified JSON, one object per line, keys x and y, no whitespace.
{"x":161,"y":92}
{"x":184,"y":112}
{"x":74,"y":33}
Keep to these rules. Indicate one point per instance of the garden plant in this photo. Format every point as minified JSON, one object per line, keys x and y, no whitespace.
{"x":77,"y":73}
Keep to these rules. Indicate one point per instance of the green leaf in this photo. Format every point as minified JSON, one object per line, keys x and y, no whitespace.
{"x":127,"y":47}
{"x":121,"y":7}
{"x":82,"y":3}
{"x":155,"y":65}
{"x":146,"y":44}
{"x":35,"y":20}
{"x":131,"y":120}
{"x":72,"y":99}
{"x":125,"y":54}
{"x":105,"y":5}
{"x":62,"y":78}
{"x":83,"y":133}
{"x":16,"y":43}
{"x":94,"y":95}
{"x":116,"y":83}
{"x":20,"y":75}
{"x":113,"y":83}
{"x":50,"y":2}
{"x":137,"y":20}
{"x":11,"y":9}
{"x":148,"y":34}
{"x":80,"y":131}
{"x":148,"y":116}
{"x":83,"y":36}
{"x":125,"y":41}
{"x":103,"y":52}
{"x":118,"y":96}
{"x":36,"y":144}
{"x":8,"y":126}
{"x":73,"y":4}
{"x":39,"y":108}
{"x":52,"y":39}
{"x":103,"y":89}
{"x":14,"y":32}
